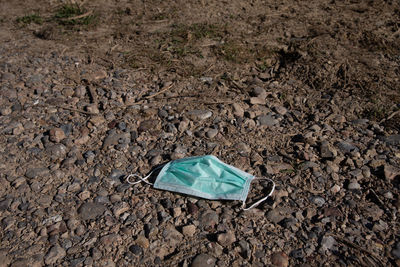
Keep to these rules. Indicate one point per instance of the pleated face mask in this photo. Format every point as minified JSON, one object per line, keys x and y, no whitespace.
{"x":206,"y":177}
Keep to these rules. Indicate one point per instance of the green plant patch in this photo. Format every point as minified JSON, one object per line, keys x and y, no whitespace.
{"x":377,"y":112}
{"x":28,"y":19}
{"x":204,"y":30}
{"x":233,"y":52}
{"x":74,"y":15}
{"x":67,"y":11}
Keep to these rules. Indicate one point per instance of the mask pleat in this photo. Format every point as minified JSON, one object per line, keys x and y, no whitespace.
{"x":204,"y":176}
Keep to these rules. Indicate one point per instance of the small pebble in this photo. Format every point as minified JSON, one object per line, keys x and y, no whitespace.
{"x":354,"y":185}
{"x":212,"y":133}
{"x":189,"y":230}
{"x":335,"y":189}
{"x":280,"y":110}
{"x":280,"y":259}
{"x":203,"y":260}
{"x":199,"y":114}
{"x":238,"y":111}
{"x":54,"y":254}
{"x":226,"y":239}
{"x":318,"y":201}
{"x":267,"y":120}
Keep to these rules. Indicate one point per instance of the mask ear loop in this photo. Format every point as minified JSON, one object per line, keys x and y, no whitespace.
{"x":141,"y":179}
{"x":264,"y":198}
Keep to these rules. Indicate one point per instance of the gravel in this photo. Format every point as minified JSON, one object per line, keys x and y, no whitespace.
{"x":64,"y":200}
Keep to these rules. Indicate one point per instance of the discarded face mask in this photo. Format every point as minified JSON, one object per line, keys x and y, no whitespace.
{"x":205,"y":177}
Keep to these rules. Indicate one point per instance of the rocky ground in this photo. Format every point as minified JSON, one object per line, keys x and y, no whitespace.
{"x":73,"y":125}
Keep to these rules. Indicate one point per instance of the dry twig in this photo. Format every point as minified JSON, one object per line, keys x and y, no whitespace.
{"x":355,"y":246}
{"x":159,"y":92}
{"x":390,"y":116}
{"x":93,"y":94}
{"x":80,"y":16}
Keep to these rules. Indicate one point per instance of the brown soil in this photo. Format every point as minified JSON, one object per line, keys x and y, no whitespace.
{"x":333,"y":57}
{"x":345,"y":48}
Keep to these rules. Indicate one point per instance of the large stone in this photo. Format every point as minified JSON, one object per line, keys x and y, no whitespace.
{"x":257,"y":101}
{"x":113,"y":139}
{"x":149,"y":125}
{"x":203,"y":260}
{"x":274,"y":216}
{"x":243,"y":149}
{"x":4,"y":258}
{"x":20,"y":262}
{"x":135,"y":249}
{"x":33,"y":173}
{"x":56,"y":135}
{"x":56,"y":151}
{"x":238,"y":111}
{"x":89,"y":211}
{"x":391,"y":172}
{"x":396,"y":251}
{"x":317,"y":200}
{"x":328,"y":243}
{"x":354,"y":185}
{"x":209,"y":219}
{"x":55,"y":253}
{"x":120,"y":208}
{"x":172,"y":236}
{"x":346,"y":147}
{"x":5,"y":204}
{"x":280,"y":110}
{"x":211,"y":133}
{"x":372,"y":211}
{"x":327,"y":151}
{"x":393,"y":139}
{"x":267,"y":120}
{"x":110,"y":239}
{"x":279,"y":167}
{"x":259,"y":92}
{"x":142,"y":241}
{"x":189,"y":230}
{"x":226,"y":239}
{"x":280,"y":259}
{"x":198,"y":114}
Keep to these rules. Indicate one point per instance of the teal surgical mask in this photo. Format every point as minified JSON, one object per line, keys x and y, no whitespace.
{"x":206,"y":177}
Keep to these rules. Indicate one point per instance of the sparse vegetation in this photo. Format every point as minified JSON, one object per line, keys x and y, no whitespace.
{"x":67,"y":11}
{"x":74,"y":15}
{"x":232,"y":51}
{"x":377,"y":111}
{"x":182,"y":39}
{"x":180,"y":42}
{"x":28,"y":19}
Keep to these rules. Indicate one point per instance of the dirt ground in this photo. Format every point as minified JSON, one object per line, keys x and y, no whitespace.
{"x":345,"y":48}
{"x":273,"y":74}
